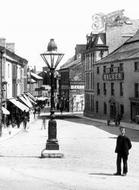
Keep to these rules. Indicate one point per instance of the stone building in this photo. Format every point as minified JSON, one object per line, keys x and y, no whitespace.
{"x":108,"y":33}
{"x":116,"y":89}
{"x":72,"y":81}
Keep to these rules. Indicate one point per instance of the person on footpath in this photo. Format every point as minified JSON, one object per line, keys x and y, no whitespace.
{"x":25,"y":120}
{"x":123,"y":145}
{"x":43,"y":123}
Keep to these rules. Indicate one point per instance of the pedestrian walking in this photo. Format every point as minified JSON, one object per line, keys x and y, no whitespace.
{"x":118,"y":119}
{"x":25,"y":120}
{"x":43,"y":123}
{"x":34,"y":112}
{"x":123,"y":145}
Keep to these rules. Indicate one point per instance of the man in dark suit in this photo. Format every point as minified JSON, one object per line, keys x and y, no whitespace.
{"x":123,"y":145}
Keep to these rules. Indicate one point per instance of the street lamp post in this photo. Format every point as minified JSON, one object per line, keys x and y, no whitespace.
{"x":1,"y":58}
{"x":52,"y":58}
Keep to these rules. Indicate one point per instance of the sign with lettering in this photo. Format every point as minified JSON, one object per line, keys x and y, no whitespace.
{"x":77,"y":87}
{"x":98,"y":24}
{"x":113,"y":76}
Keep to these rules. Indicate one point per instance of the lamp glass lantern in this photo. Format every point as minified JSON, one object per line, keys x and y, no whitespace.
{"x":52,"y":58}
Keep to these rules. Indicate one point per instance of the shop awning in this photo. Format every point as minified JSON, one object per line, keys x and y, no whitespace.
{"x":31,"y":96}
{"x":37,"y":77}
{"x":27,"y":103}
{"x":19,"y":105}
{"x":27,"y":99}
{"x":32,"y":101}
{"x":42,"y":98}
{"x":5,"y":111}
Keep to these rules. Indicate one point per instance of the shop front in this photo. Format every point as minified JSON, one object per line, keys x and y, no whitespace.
{"x":134,"y":103}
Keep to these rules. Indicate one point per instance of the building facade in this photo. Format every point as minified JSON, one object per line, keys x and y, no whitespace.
{"x":96,"y":49}
{"x":116,"y":89}
{"x":110,"y":32}
{"x":13,"y":74}
{"x":72,"y":81}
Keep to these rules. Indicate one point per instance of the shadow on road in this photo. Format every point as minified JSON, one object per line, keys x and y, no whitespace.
{"x":106,"y":174}
{"x":112,"y":129}
{"x":18,"y":156}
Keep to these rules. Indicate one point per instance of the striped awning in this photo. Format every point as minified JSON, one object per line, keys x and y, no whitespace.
{"x":5,"y":111}
{"x":19,"y":105}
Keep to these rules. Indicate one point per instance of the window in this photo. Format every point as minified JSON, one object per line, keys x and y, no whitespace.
{"x":136,"y":66}
{"x":97,"y":70}
{"x":112,"y":68}
{"x":104,"y":89}
{"x":121,"y":109}
{"x":105,"y":108}
{"x":121,"y":67}
{"x":121,"y":89}
{"x":104,"y":69}
{"x":96,"y":106}
{"x":112,"y":89}
{"x":136,"y":90}
{"x":98,"y":90}
{"x":8,"y":70}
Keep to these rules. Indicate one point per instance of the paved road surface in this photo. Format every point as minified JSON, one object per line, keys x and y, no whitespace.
{"x":88,"y":163}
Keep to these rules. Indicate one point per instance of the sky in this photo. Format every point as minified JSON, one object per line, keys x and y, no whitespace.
{"x":30,"y":24}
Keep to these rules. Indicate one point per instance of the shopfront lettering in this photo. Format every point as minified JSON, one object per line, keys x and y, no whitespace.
{"x":113,"y":76}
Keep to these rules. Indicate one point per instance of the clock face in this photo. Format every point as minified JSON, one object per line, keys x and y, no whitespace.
{"x":98,"y":24}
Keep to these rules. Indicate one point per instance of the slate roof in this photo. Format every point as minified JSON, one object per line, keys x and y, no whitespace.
{"x":72,"y":63}
{"x":129,"y":50}
{"x":116,"y":36}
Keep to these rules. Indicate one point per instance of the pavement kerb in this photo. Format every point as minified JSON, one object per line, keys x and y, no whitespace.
{"x":122,"y":124}
{"x":80,"y":114}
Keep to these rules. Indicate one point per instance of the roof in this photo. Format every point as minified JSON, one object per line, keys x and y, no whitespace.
{"x":116,"y":36}
{"x":68,"y":62}
{"x":72,"y":63}
{"x":134,"y":38}
{"x":129,"y":50}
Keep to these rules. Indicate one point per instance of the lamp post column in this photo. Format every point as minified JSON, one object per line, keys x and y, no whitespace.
{"x":52,"y":58}
{"x":52,"y":70}
{"x":52,"y":142}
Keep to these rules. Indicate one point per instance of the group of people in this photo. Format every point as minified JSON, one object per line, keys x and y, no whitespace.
{"x":15,"y":119}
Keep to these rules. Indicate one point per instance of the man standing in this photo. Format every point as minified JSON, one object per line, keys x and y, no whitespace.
{"x":123,"y":145}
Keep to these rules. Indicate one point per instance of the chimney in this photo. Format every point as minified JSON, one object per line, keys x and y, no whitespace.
{"x":10,"y":47}
{"x":2,"y":42}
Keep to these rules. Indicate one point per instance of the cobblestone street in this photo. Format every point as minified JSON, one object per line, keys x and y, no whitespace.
{"x":88,"y":164}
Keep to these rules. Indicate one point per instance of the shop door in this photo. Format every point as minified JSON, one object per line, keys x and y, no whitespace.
{"x":112,"y":110}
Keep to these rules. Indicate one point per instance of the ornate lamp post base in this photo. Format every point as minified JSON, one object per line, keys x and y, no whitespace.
{"x":51,"y":154}
{"x":52,"y":144}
